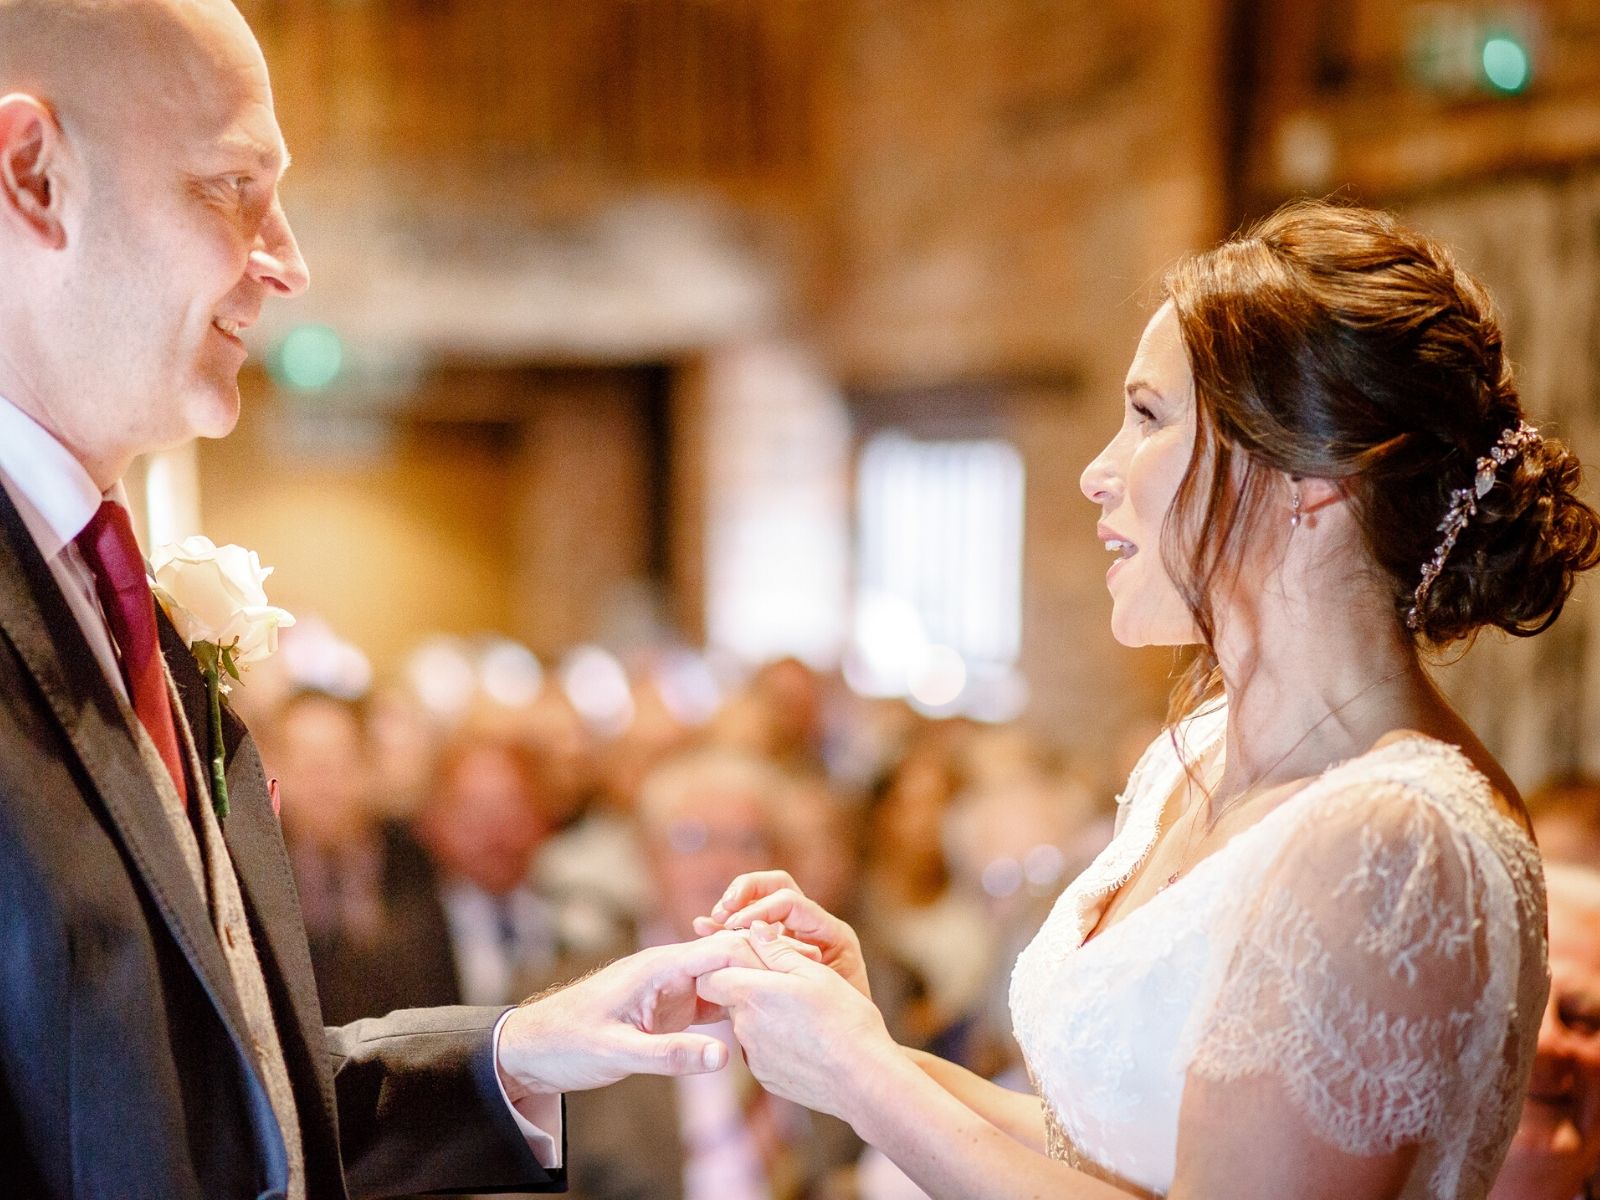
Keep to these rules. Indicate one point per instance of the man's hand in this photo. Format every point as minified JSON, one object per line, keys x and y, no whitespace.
{"x":625,"y":1019}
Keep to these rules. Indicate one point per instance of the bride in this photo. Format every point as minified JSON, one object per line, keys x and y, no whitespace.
{"x":1311,"y":961}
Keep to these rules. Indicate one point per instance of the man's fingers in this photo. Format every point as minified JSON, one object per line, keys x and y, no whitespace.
{"x":706,"y":927}
{"x":676,"y":1053}
{"x":724,"y":948}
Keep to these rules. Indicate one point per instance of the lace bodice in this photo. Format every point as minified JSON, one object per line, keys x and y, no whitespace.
{"x":1375,"y":944}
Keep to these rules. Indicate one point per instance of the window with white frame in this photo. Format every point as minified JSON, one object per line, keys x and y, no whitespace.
{"x":938,"y":599}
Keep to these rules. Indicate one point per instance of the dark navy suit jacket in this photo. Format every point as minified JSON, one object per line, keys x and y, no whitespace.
{"x":124,"y":1068}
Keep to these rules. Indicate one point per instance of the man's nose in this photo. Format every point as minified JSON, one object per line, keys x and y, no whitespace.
{"x":276,"y":260}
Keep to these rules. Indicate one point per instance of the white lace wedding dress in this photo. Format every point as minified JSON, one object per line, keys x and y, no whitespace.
{"x":1375,"y":944}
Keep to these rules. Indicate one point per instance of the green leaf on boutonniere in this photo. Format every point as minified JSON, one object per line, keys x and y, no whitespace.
{"x":228,"y":664}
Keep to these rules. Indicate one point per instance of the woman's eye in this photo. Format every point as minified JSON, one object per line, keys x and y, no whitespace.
{"x":1144,"y":414}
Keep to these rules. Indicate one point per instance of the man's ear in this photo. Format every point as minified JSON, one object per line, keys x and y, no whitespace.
{"x":30,"y":152}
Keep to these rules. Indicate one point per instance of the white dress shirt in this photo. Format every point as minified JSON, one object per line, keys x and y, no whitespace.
{"x":56,"y":498}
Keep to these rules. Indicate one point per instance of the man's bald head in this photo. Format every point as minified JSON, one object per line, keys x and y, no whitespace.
{"x":140,"y":228}
{"x":98,"y":64}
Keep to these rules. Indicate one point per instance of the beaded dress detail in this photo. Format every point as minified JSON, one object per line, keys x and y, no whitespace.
{"x":1374,"y":945}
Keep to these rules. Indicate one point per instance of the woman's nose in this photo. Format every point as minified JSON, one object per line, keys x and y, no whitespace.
{"x":1101,"y":479}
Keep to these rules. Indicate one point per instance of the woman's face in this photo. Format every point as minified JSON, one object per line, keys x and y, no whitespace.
{"x":1134,"y":480}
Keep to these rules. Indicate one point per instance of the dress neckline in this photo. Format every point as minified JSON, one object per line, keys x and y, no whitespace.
{"x":1095,"y":902}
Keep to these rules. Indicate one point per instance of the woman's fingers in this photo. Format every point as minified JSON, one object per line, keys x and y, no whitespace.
{"x":787,"y":904}
{"x":748,"y":887}
{"x":781,"y":953}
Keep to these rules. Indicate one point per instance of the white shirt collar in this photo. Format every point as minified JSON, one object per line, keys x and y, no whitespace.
{"x":54,"y":494}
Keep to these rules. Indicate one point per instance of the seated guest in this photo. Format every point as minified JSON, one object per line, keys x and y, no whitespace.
{"x":927,"y":929}
{"x":1555,"y":1154}
{"x":483,"y":822}
{"x":705,"y":816}
{"x":366,"y":889}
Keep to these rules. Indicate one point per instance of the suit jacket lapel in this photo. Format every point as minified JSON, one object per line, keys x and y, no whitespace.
{"x":260,"y":862}
{"x":36,"y":620}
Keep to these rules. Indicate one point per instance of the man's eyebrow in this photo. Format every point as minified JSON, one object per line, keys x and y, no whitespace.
{"x":270,"y":157}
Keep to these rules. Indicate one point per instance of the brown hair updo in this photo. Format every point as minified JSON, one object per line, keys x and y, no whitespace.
{"x":1330,"y":341}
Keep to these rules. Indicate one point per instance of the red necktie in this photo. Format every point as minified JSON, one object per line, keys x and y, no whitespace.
{"x":108,"y":546}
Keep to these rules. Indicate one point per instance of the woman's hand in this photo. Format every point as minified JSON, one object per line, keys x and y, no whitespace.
{"x":774,"y":897}
{"x":807,"y":1035}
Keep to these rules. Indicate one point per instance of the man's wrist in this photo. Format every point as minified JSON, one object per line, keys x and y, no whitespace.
{"x":538,"y":1116}
{"x":520,"y":1026}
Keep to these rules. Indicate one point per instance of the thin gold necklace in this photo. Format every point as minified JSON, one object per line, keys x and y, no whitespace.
{"x":1219,"y":813}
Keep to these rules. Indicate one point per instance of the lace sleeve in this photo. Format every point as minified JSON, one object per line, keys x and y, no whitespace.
{"x":1370,"y":978}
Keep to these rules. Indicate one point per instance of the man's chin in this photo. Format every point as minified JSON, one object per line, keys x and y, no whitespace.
{"x":216,"y":414}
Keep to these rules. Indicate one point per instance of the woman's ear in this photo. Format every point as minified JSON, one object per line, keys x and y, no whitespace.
{"x":30,"y":151}
{"x":1316,"y":495}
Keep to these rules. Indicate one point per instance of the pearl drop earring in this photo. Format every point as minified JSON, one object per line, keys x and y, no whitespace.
{"x":1294,"y":514}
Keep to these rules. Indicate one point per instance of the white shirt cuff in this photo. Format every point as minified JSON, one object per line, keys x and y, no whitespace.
{"x":538,"y":1117}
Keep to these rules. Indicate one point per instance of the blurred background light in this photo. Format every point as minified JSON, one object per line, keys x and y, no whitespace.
{"x":688,"y":687}
{"x":315,"y":656}
{"x":1506,"y":64}
{"x":939,"y":679}
{"x":443,"y":677}
{"x":510,"y":674}
{"x":598,"y":688}
{"x":889,"y":641}
{"x":309,"y":358}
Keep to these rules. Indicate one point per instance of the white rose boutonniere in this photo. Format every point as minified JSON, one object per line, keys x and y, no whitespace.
{"x":213,"y":595}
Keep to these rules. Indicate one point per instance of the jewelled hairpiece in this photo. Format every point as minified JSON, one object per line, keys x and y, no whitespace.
{"x":1464,"y":506}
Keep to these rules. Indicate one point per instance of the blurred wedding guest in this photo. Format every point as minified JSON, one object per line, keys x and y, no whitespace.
{"x":555,"y":728}
{"x":1555,"y":1154}
{"x":405,"y":739}
{"x":1016,"y":840}
{"x":792,"y":694}
{"x":819,"y":842}
{"x":920,"y":922}
{"x":705,"y":815}
{"x":1566,"y":819}
{"x":366,"y":889}
{"x":593,"y":869}
{"x":777,"y":715}
{"x":483,"y":821}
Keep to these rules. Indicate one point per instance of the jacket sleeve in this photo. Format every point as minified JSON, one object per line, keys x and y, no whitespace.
{"x":420,"y":1108}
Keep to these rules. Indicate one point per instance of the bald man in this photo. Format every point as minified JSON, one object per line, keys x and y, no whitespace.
{"x":159,"y":1029}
